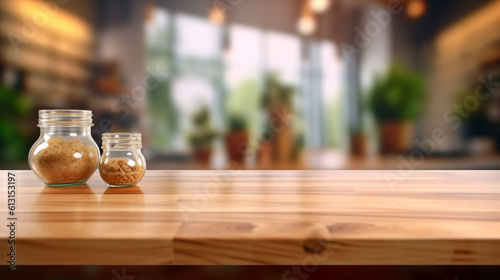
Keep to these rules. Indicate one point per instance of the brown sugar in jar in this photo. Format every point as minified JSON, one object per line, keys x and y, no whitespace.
{"x":122,"y":163}
{"x":65,"y":153}
{"x":120,"y":172}
{"x":64,"y":161}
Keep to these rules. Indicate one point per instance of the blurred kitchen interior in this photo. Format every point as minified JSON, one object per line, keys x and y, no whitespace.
{"x":261,"y":84}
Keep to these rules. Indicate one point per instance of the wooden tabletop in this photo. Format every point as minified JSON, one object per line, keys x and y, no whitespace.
{"x":259,"y":217}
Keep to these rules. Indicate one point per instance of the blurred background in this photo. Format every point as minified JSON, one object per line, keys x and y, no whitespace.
{"x":261,"y":84}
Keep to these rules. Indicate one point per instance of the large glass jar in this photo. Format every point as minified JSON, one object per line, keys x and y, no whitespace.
{"x":65,"y":153}
{"x":122,"y":163}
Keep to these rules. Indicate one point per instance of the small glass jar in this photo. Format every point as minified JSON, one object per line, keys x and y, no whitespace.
{"x":122,"y":163}
{"x":65,"y":153}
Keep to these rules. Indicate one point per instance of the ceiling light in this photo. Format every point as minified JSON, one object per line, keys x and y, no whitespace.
{"x":319,"y":6}
{"x":416,"y":8}
{"x":307,"y":21}
{"x":217,"y":15}
{"x":306,"y":25}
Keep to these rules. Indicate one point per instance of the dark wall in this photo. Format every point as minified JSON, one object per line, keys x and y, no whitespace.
{"x":412,"y":39}
{"x":441,"y":14}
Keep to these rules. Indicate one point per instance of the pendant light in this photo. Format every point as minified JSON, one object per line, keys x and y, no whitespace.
{"x":217,"y":15}
{"x":307,"y":22}
{"x":319,"y":6}
{"x":416,"y":8}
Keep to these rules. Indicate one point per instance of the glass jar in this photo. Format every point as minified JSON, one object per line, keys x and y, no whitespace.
{"x":122,"y":163}
{"x":65,"y":153}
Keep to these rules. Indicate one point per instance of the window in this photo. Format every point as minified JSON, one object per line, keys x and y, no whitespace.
{"x":283,"y":56}
{"x":226,"y":75}
{"x":243,"y":65}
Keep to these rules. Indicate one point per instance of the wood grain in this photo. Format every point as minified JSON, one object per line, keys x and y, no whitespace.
{"x":260,"y":217}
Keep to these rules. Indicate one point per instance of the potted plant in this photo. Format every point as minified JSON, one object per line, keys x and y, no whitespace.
{"x":278,"y":101}
{"x":15,"y":136}
{"x":237,"y":138}
{"x":396,"y":101}
{"x":202,"y":136}
{"x":478,"y":129}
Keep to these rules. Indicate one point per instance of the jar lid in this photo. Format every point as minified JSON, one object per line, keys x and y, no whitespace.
{"x":64,"y":117}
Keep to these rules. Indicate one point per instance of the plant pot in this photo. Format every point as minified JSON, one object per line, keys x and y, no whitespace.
{"x":265,"y":154}
{"x":283,"y":144}
{"x":358,"y":145}
{"x":203,"y":156}
{"x":396,"y":137}
{"x":236,"y":142}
